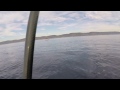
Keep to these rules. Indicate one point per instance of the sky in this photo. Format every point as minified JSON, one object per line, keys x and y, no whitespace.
{"x":13,"y":24}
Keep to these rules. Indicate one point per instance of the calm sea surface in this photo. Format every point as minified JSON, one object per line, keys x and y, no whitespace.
{"x":84,"y":57}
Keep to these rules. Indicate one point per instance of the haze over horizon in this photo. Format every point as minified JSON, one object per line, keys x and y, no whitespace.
{"x":13,"y":24}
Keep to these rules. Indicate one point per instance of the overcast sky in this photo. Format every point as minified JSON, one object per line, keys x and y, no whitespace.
{"x":13,"y":24}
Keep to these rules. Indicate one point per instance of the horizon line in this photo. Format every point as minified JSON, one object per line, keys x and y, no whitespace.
{"x":58,"y":35}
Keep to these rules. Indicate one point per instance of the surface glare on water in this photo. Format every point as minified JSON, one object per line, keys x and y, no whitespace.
{"x":65,"y":58}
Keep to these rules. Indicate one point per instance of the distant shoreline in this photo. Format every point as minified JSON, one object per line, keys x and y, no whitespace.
{"x":63,"y":35}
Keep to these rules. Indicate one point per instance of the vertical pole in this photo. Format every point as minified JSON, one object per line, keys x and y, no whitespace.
{"x":29,"y":44}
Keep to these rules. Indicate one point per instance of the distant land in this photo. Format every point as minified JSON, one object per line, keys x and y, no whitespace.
{"x":63,"y":35}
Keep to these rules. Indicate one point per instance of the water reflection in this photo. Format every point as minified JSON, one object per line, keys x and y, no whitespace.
{"x":72,"y":57}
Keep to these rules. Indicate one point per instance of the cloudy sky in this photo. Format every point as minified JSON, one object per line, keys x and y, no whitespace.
{"x":13,"y":24}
